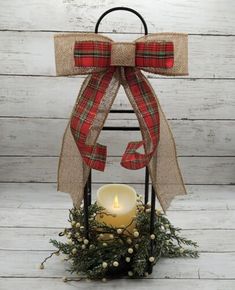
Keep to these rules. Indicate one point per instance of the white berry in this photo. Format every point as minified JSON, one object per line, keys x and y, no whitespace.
{"x":128,"y":259}
{"x":74,"y":251}
{"x":136,"y":234}
{"x":104,"y":265}
{"x":130,"y":250}
{"x":86,"y":242}
{"x":151,"y":259}
{"x":130,"y":273}
{"x":115,"y":264}
{"x":152,"y":237}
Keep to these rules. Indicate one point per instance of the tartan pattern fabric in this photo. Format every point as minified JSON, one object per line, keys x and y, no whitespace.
{"x":148,"y":54}
{"x":98,"y":54}
{"x":148,"y":108}
{"x":83,"y":116}
{"x":154,"y":54}
{"x":92,"y":53}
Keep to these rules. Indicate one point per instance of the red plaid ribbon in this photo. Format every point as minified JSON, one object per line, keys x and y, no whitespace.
{"x":98,"y":54}
{"x":147,"y":54}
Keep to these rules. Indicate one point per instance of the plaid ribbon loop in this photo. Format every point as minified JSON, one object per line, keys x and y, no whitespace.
{"x":97,"y":54}
{"x":147,"y":54}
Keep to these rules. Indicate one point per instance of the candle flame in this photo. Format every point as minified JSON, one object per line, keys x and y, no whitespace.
{"x":116,"y":202}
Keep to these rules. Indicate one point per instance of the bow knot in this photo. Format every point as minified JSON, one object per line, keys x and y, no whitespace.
{"x":122,"y":54}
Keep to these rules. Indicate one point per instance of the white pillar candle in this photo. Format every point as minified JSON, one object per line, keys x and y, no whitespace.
{"x":118,"y":200}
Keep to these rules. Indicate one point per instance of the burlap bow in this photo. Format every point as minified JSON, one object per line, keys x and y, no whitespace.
{"x":110,"y":64}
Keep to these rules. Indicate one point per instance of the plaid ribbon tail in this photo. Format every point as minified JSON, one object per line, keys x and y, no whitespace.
{"x":84,"y":114}
{"x":143,"y":100}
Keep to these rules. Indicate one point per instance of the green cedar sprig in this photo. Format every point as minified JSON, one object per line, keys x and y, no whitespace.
{"x":110,"y":252}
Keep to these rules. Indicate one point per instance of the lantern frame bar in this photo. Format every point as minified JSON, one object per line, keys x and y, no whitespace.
{"x":88,"y":191}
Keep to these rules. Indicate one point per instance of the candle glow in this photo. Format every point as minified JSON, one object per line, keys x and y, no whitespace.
{"x":116,"y":202}
{"x":119,"y":203}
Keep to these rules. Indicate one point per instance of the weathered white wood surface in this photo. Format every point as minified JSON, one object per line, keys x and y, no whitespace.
{"x":131,"y":284}
{"x":209,"y":266}
{"x":30,"y":53}
{"x":39,"y":137}
{"x":46,"y":218}
{"x":37,"y":239}
{"x":196,"y":170}
{"x":49,"y":97}
{"x":23,"y":245}
{"x":44,"y":195}
{"x":192,"y":16}
{"x":39,"y":196}
{"x":34,"y":106}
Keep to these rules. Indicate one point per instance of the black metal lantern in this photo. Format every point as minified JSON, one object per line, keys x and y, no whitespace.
{"x":88,"y":186}
{"x":109,"y":64}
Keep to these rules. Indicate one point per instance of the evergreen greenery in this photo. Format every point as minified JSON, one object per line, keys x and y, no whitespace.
{"x":115,"y":252}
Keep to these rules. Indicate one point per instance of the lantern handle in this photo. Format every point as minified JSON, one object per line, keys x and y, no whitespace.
{"x":122,"y":8}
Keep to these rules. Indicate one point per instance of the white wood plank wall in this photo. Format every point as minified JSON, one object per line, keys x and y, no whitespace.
{"x":35,"y":106}
{"x":34,"y":103}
